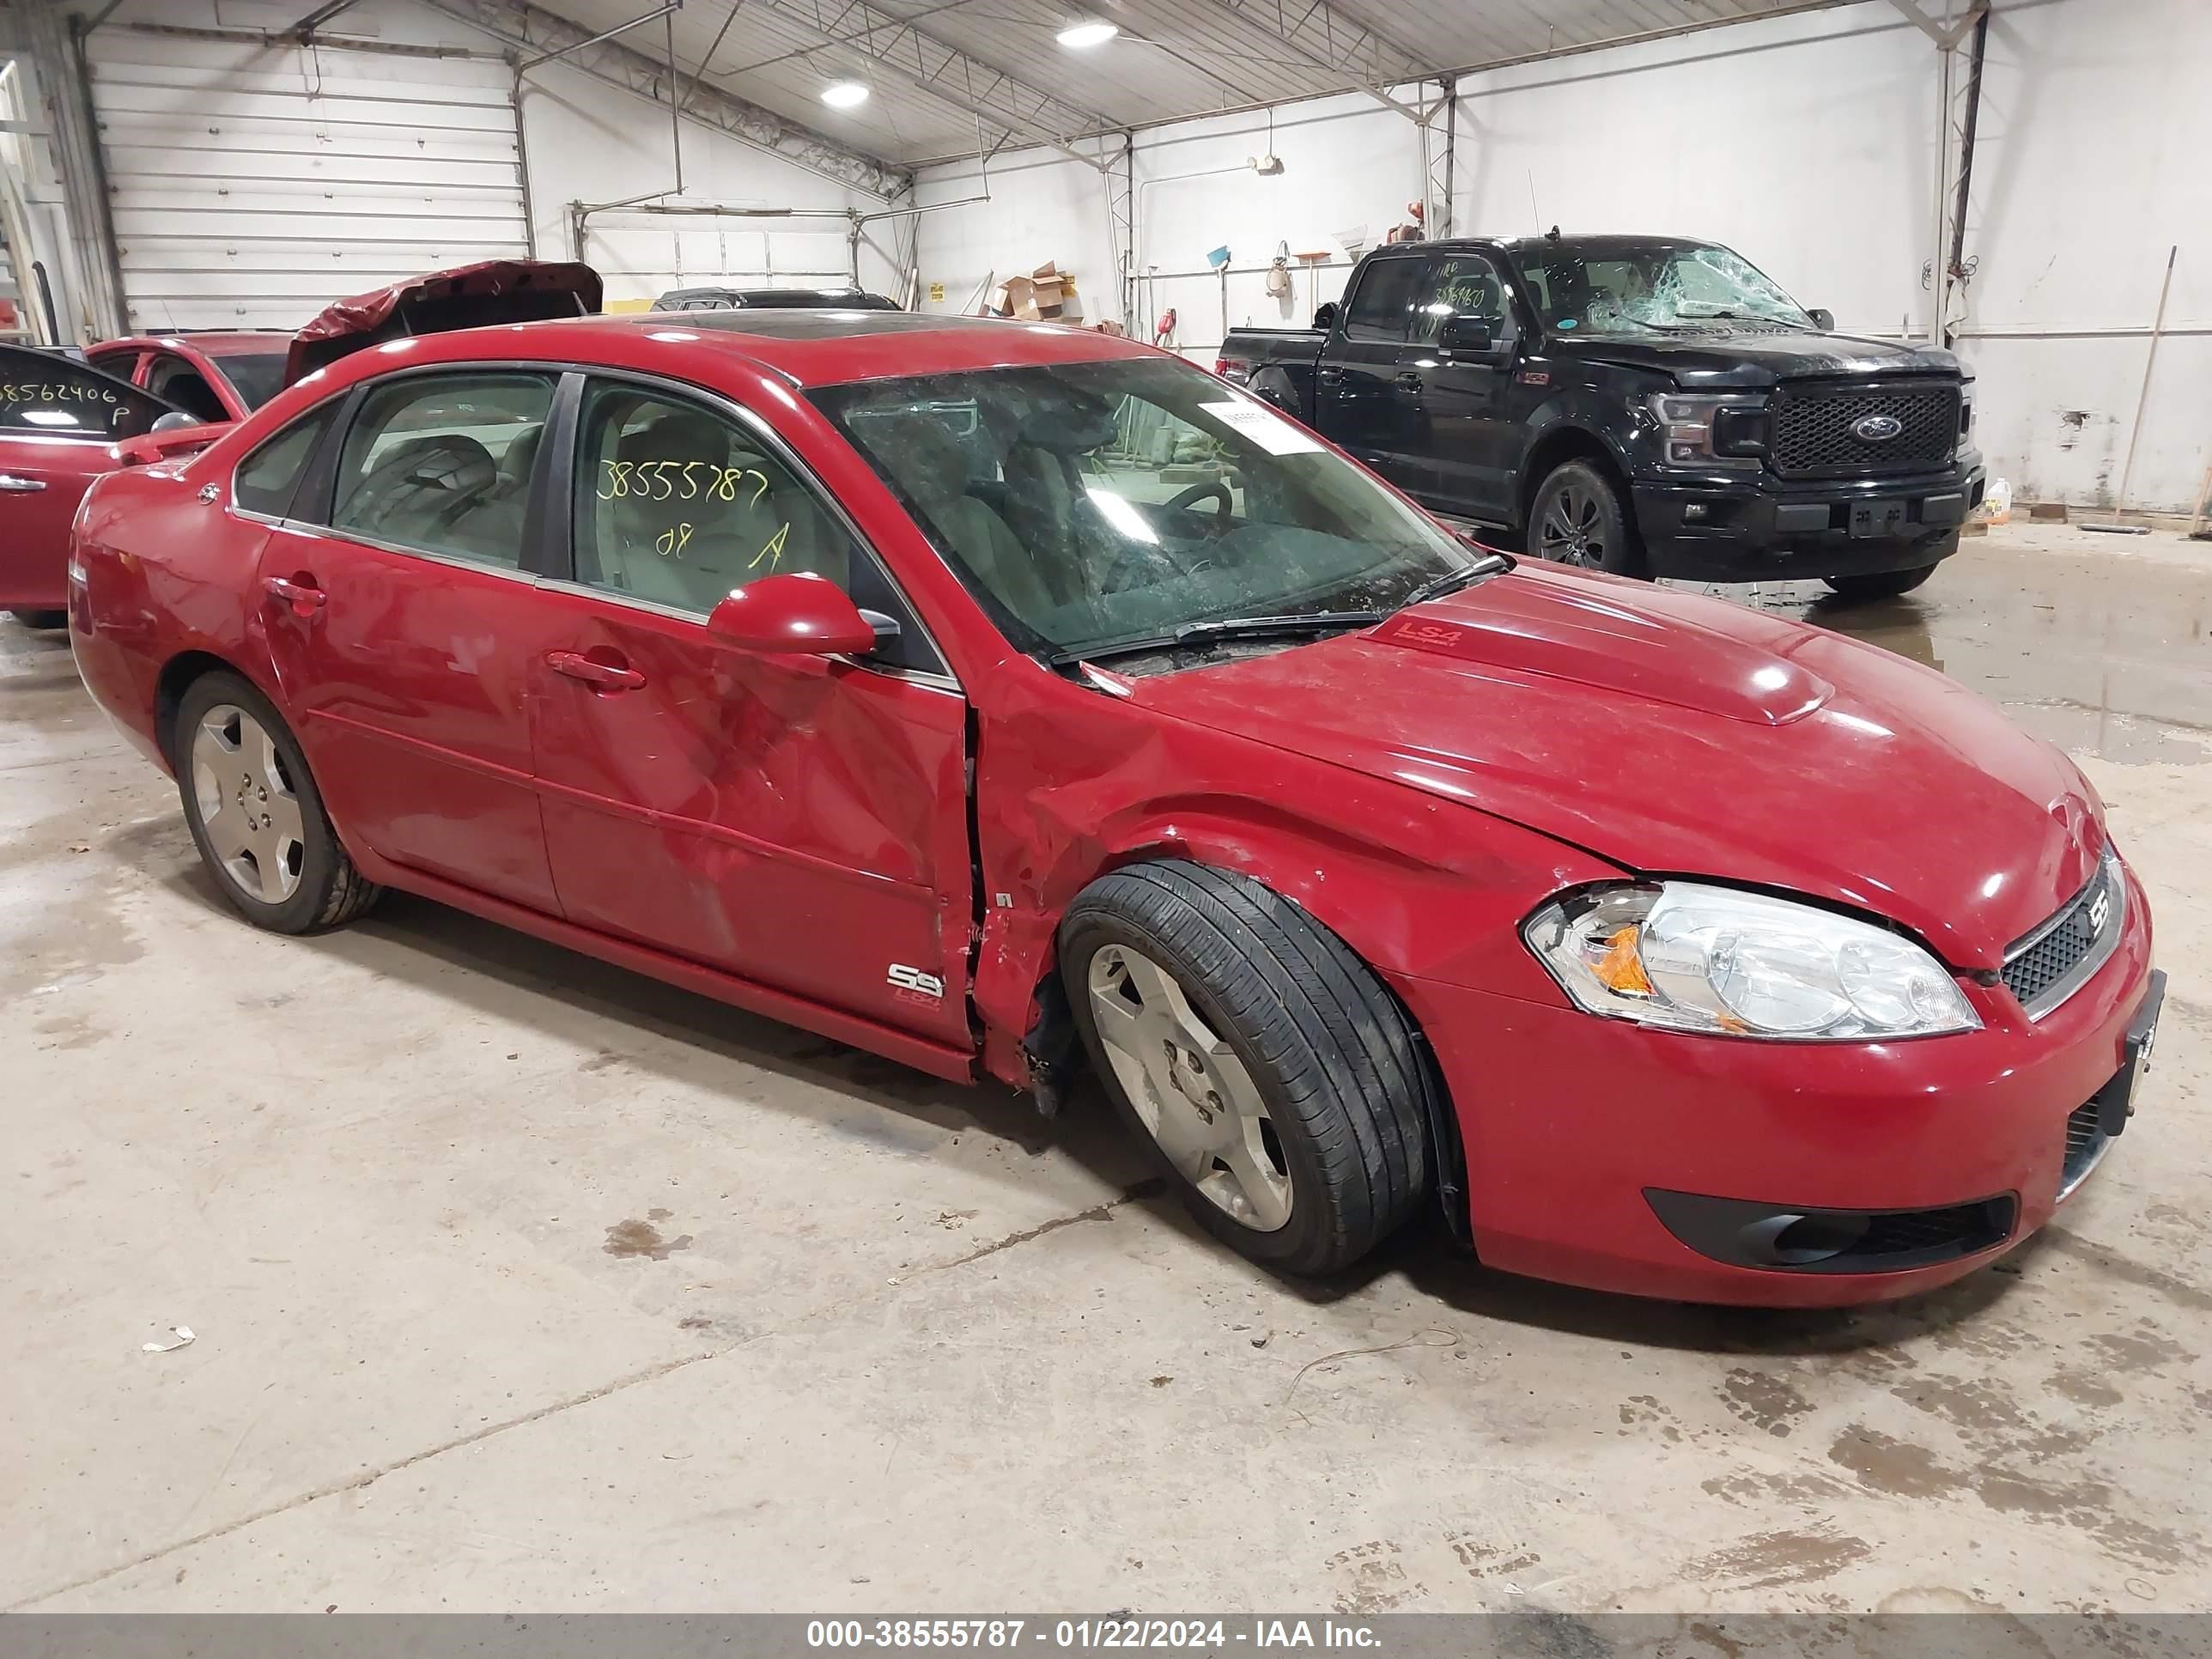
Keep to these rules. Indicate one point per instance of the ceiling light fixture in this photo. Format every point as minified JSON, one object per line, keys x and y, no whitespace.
{"x":1081,"y":37}
{"x":845,"y":94}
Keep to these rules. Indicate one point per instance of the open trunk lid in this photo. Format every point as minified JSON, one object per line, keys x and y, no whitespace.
{"x":490,"y":292}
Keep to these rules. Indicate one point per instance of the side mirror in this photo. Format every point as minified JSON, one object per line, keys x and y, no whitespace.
{"x":792,"y":615}
{"x":175,"y":421}
{"x":1325,"y":315}
{"x":1823,"y":319}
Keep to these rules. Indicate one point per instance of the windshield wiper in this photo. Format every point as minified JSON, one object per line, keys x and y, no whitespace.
{"x":1228,"y":628}
{"x":1452,"y":580}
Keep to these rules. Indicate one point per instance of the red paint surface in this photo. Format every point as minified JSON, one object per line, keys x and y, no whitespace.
{"x":774,"y":831}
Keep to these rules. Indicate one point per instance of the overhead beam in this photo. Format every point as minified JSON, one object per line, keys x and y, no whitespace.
{"x":1024,"y":113}
{"x":527,"y":28}
{"x":1946,"y":35}
{"x":1368,"y":60}
{"x":529,"y":63}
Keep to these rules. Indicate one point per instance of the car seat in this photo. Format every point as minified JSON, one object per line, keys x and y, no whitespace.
{"x":927,"y":460}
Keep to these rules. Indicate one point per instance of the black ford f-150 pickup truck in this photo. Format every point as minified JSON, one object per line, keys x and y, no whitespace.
{"x":1647,"y":405}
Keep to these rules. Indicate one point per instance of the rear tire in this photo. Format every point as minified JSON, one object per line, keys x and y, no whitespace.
{"x":41,"y":618}
{"x":1579,"y":518}
{"x":1881,"y":584}
{"x":256,"y":814}
{"x":1277,"y":1081}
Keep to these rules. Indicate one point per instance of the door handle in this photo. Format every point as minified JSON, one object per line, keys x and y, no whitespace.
{"x":298,"y":591}
{"x":13,"y":484}
{"x":601,"y":676}
{"x":1409,"y":382}
{"x":1332,"y":376}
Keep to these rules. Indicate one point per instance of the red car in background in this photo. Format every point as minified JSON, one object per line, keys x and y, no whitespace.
{"x":986,"y":695}
{"x":64,"y":415}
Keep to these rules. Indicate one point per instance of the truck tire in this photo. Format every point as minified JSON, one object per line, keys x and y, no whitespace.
{"x":1579,"y":518}
{"x":1272,"y":385}
{"x":256,"y":814}
{"x":1278,"y":1083}
{"x":1881,"y":585}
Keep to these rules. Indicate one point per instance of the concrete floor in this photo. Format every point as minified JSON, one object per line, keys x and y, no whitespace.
{"x":519,"y":1282}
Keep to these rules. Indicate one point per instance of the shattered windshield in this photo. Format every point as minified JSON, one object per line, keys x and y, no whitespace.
{"x":1093,"y":505}
{"x":1619,"y":287}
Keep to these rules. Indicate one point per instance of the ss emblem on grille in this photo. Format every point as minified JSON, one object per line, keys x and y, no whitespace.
{"x":2100,"y":912}
{"x":1877,"y":428}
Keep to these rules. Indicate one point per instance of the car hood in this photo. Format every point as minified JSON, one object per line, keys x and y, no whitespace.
{"x":488,"y":292}
{"x":1755,"y":356}
{"x":1677,"y":735}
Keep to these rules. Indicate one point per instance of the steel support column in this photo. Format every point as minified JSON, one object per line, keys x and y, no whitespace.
{"x":1439,"y":141}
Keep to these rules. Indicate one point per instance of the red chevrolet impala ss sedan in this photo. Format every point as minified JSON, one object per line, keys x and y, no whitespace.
{"x":990,"y":697}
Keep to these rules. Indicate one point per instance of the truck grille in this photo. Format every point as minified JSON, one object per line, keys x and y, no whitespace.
{"x":1815,"y":434}
{"x":2049,"y":964}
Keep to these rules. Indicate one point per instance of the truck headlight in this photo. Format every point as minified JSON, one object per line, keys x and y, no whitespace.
{"x":1690,"y":957}
{"x":1966,"y":414}
{"x":1701,"y":429}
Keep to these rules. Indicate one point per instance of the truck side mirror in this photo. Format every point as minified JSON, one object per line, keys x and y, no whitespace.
{"x":1325,"y":314}
{"x":1823,"y":319}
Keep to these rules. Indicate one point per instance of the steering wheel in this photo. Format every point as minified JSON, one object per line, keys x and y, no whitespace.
{"x":1218,"y":488}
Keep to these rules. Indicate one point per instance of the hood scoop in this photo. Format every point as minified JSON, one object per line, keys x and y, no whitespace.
{"x":1652,"y":647}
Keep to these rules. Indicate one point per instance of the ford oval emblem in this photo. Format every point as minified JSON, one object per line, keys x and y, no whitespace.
{"x":1877,"y":428}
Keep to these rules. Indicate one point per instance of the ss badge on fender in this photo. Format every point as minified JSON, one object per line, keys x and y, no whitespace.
{"x":915,"y":986}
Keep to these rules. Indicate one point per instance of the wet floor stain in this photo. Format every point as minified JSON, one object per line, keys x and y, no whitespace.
{"x":1768,"y":1560}
{"x":1764,"y":1400}
{"x":635,"y":1238}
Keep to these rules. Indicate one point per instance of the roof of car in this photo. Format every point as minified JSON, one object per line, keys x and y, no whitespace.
{"x":807,"y":347}
{"x":215,"y":343}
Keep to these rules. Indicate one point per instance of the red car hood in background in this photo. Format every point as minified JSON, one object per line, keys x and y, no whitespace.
{"x":492,"y":291}
{"x":1674,"y":734}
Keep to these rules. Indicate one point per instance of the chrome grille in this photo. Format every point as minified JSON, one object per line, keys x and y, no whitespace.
{"x":2049,"y":964}
{"x":1813,"y":433}
{"x":2085,"y":1145}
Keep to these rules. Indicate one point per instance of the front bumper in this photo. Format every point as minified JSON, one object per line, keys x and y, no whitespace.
{"x":1573,"y":1123}
{"x":1721,"y":525}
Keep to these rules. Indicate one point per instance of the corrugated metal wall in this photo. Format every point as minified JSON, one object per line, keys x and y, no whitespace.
{"x":251,"y":185}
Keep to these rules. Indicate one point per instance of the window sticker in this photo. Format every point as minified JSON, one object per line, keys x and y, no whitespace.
{"x":1263,"y":427}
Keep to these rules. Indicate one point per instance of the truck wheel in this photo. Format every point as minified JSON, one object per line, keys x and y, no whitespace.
{"x":41,"y":618}
{"x":1272,"y":385}
{"x":1276,"y":1080}
{"x":1881,"y":584}
{"x":255,"y":814}
{"x":1579,"y":519}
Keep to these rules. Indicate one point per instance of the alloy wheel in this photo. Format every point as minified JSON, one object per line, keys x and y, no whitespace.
{"x":247,"y":805}
{"x":1190,"y":1090}
{"x":1572,"y":529}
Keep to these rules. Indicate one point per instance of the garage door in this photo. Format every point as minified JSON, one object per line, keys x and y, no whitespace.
{"x":253,"y":184}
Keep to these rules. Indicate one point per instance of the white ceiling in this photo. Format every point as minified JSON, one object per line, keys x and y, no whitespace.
{"x":1176,"y":58}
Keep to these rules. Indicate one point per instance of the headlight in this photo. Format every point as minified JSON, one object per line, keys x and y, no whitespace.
{"x":1965,"y":413}
{"x":1706,"y":428}
{"x":1690,"y":957}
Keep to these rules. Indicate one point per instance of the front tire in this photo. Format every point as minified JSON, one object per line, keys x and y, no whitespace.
{"x":255,"y":813}
{"x":1277,"y":1081}
{"x":1579,"y":518}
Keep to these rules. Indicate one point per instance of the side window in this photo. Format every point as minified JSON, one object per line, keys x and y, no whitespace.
{"x":177,"y":381}
{"x":1378,"y":311}
{"x":46,"y":393}
{"x":1463,"y":285}
{"x":269,"y":477}
{"x":442,"y":462}
{"x":680,"y":506}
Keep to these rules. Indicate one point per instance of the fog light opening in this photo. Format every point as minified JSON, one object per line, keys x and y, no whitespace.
{"x":1816,"y":1237}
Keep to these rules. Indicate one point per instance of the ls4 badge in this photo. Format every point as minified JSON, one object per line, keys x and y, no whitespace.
{"x":913,"y":983}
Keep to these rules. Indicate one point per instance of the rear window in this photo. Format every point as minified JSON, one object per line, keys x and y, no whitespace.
{"x":257,"y":375}
{"x":50,"y":395}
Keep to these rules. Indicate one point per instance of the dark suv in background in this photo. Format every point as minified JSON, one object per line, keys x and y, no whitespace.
{"x":1648,"y":406}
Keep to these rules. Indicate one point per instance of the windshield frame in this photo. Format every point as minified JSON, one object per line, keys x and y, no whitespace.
{"x":1429,"y":549}
{"x":1533,"y":256}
